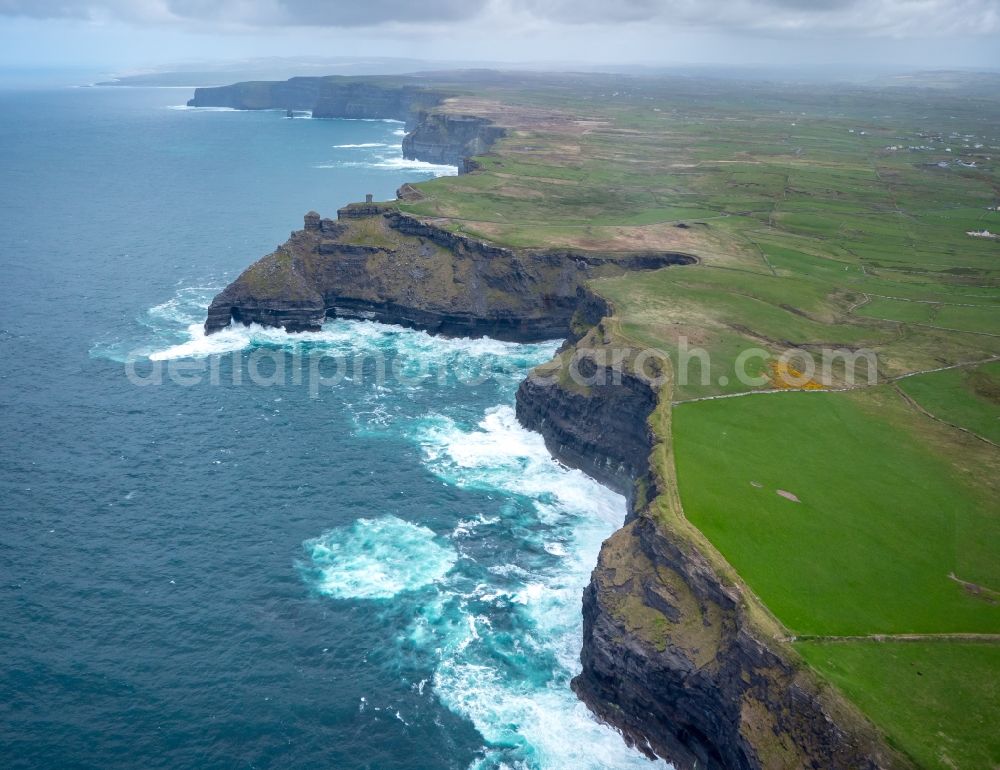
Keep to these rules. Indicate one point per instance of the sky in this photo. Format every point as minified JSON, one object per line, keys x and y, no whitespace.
{"x":120,"y":36}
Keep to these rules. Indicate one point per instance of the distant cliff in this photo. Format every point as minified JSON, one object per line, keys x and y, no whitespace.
{"x":451,"y":139}
{"x":326,"y":97}
{"x":434,"y":136}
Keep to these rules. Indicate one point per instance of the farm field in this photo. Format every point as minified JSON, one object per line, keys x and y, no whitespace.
{"x":969,"y":398}
{"x":939,"y":700}
{"x":880,"y":523}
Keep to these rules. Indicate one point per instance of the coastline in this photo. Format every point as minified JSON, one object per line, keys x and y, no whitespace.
{"x":678,"y":654}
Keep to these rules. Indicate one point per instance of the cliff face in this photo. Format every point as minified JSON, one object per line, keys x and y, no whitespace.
{"x":330,"y":97}
{"x":380,"y":264}
{"x":444,"y":138}
{"x":364,"y":100}
{"x":670,"y":659}
{"x":293,"y":94}
{"x":672,"y":655}
{"x":592,"y":418}
{"x":434,"y":137}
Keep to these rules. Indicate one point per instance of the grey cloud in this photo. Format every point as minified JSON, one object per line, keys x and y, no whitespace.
{"x":590,"y":11}
{"x":360,"y":13}
{"x":898,"y":18}
{"x":902,"y":18}
{"x":319,"y":13}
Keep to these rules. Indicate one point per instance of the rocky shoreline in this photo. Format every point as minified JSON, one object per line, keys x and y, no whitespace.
{"x":677,"y":654}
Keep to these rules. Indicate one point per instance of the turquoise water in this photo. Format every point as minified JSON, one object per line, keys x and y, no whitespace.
{"x":378,"y":572}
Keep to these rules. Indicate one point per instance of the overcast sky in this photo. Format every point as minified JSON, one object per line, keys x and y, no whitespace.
{"x":126,"y":34}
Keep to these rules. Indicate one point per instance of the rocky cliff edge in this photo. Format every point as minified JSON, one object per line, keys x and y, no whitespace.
{"x":678,"y":654}
{"x":376,"y":263}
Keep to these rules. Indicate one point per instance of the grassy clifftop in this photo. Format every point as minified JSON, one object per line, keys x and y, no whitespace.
{"x":865,"y":520}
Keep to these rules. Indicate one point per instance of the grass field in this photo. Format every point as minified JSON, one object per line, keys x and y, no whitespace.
{"x":822,"y":217}
{"x":939,"y":701}
{"x":969,"y":398}
{"x":880,"y":522}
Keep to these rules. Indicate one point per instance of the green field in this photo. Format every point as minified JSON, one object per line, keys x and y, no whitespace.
{"x":891,"y":509}
{"x":880,"y":523}
{"x":969,"y":398}
{"x":939,"y":701}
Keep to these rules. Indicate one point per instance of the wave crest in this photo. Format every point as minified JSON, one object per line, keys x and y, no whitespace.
{"x":377,"y":559}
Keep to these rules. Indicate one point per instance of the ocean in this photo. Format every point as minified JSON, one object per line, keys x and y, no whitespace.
{"x":211,"y":559}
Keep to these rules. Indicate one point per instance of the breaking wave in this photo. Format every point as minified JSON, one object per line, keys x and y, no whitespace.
{"x":396,"y":164}
{"x":376,"y":559}
{"x":203,"y":109}
{"x":400,"y":163}
{"x":506,"y":650}
{"x":175,"y":330}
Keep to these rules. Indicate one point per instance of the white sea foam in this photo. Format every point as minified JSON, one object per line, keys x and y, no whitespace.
{"x":406,"y":164}
{"x":526,"y":711}
{"x":396,"y":163}
{"x":203,"y":109}
{"x":238,"y":337}
{"x":420,"y":343}
{"x":201,"y":345}
{"x":177,"y":326}
{"x":399,"y":132}
{"x":503,"y":455}
{"x":542,"y":728}
{"x":183,"y":316}
{"x":377,"y":559}
{"x":363,"y":144}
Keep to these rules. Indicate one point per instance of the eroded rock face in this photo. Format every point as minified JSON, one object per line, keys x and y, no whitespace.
{"x":669,"y":659}
{"x":434,"y":137}
{"x":450,"y":139}
{"x":377,"y":263}
{"x":597,"y":424}
{"x":670,"y":656}
{"x":326,"y":97}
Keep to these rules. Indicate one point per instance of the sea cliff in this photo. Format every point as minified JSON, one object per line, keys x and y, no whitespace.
{"x":377,"y":263}
{"x":434,"y":136}
{"x":325,"y":97}
{"x":678,"y":655}
{"x":673,"y":656}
